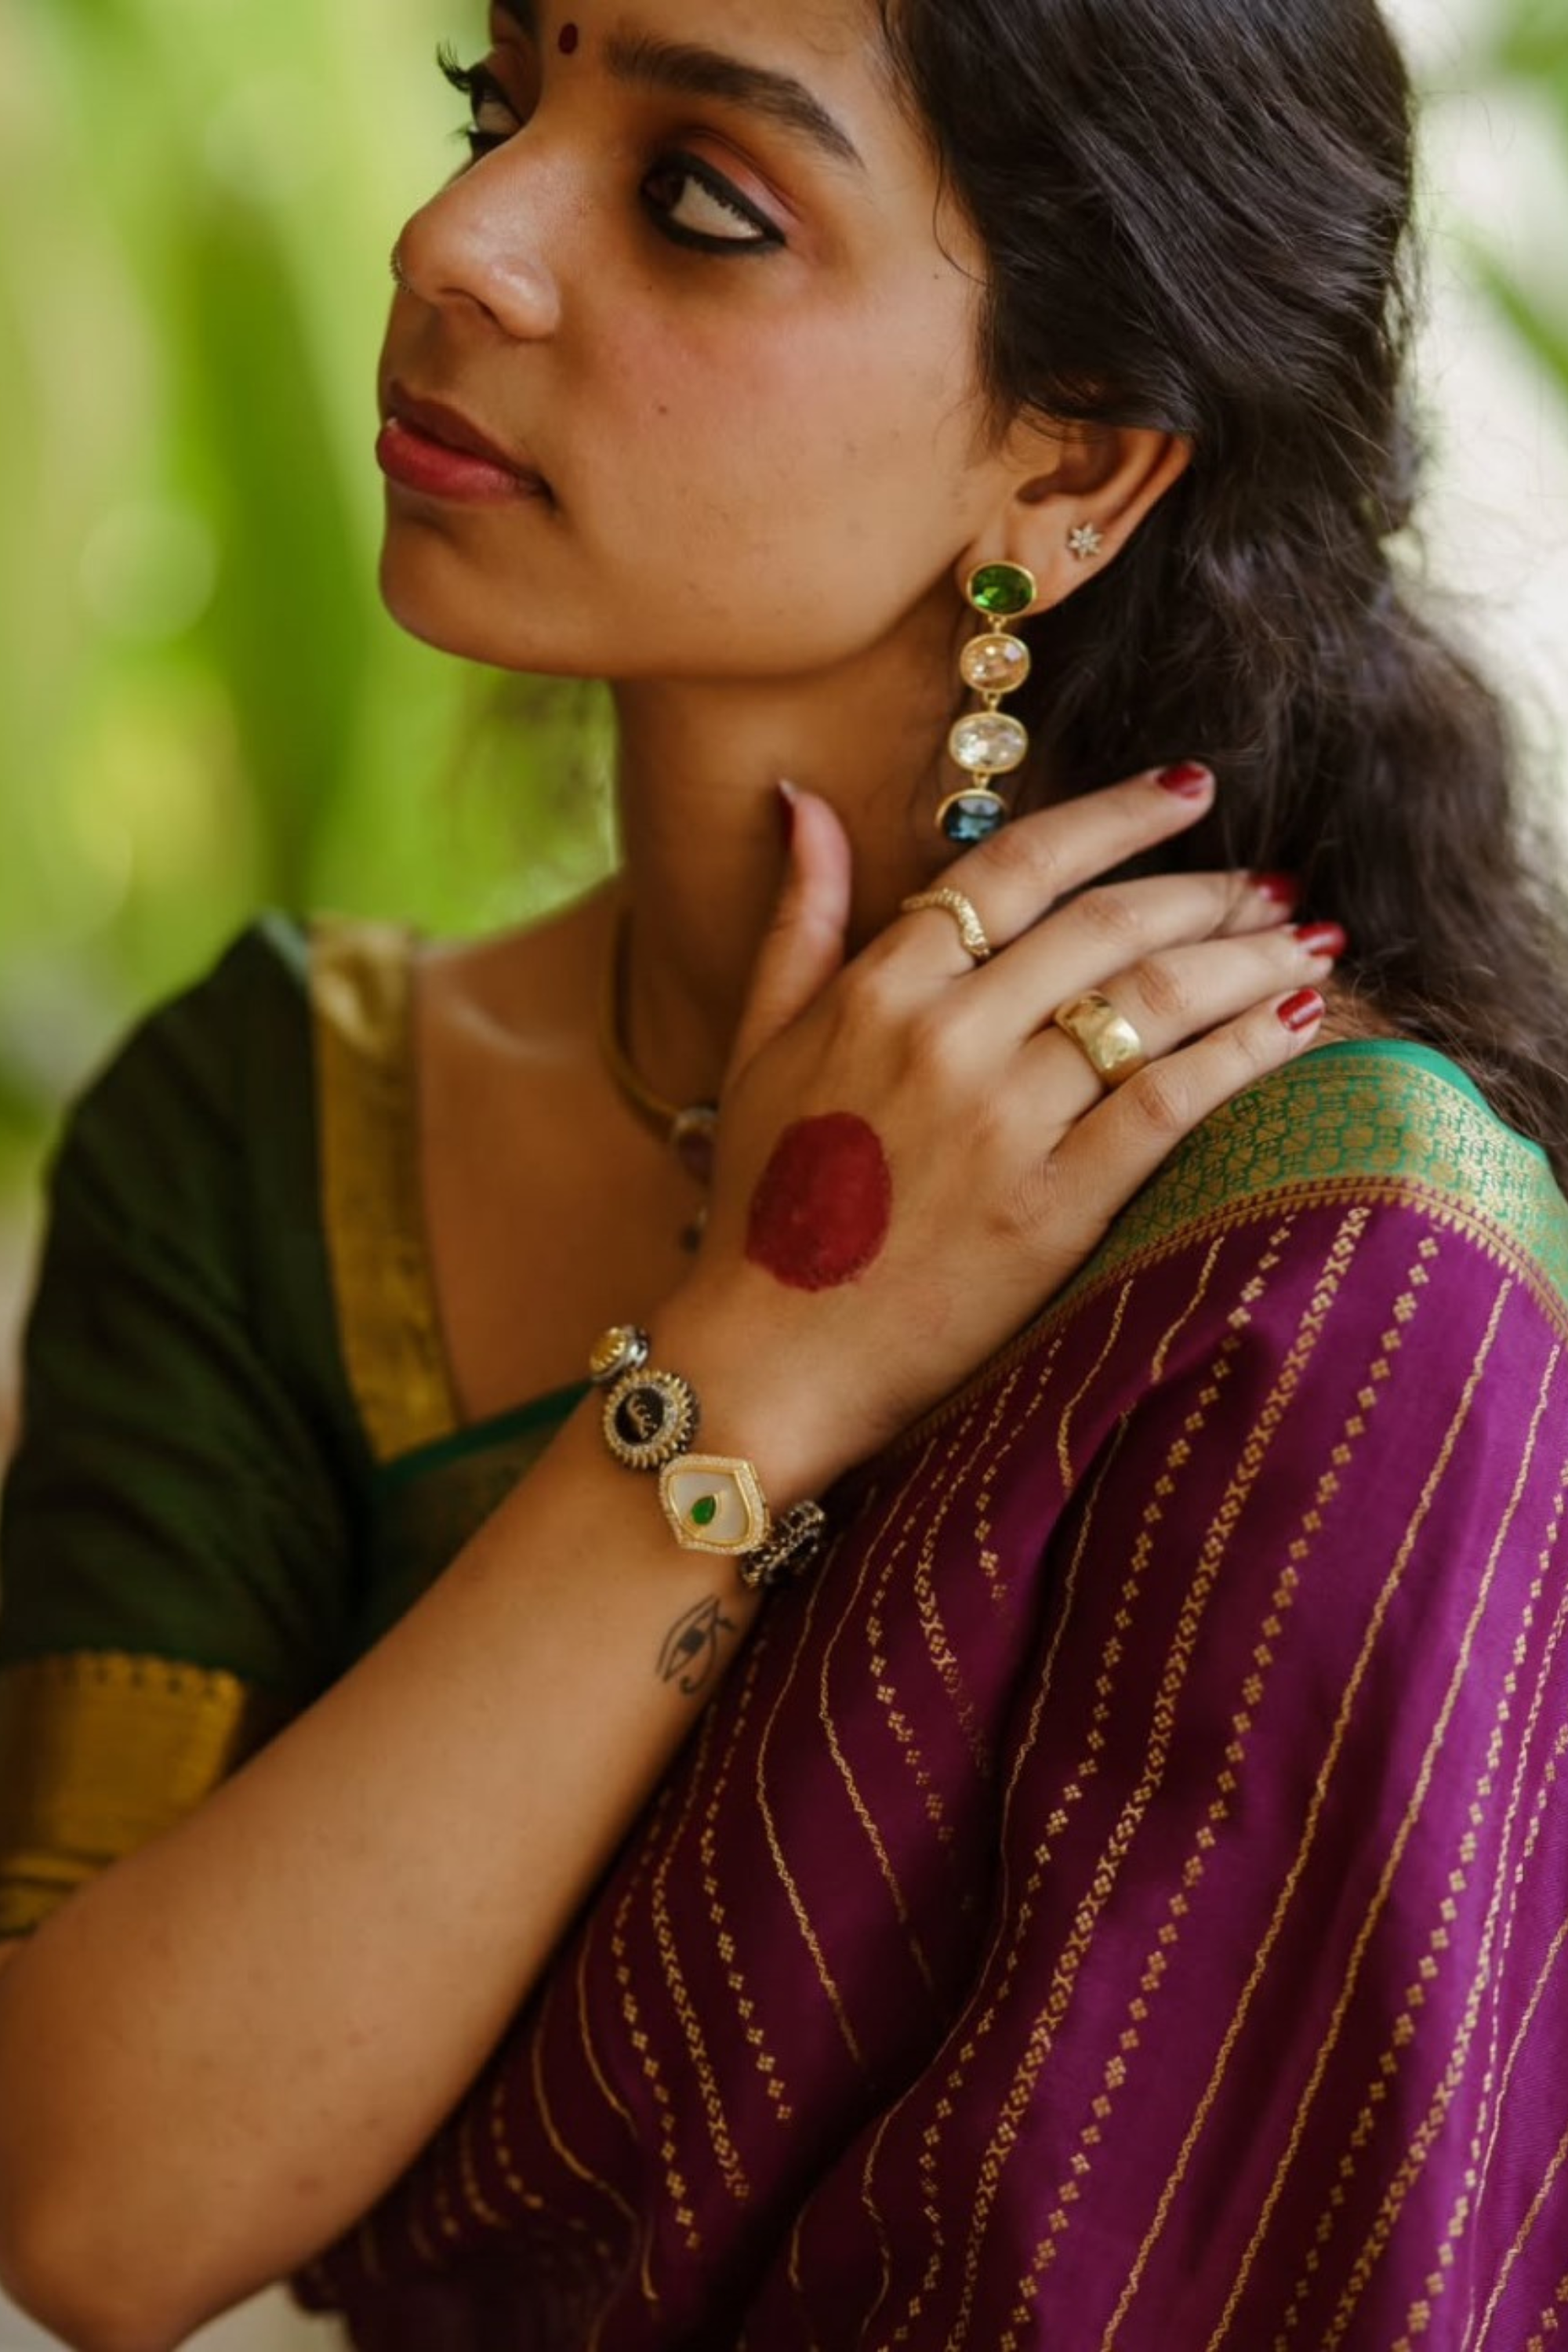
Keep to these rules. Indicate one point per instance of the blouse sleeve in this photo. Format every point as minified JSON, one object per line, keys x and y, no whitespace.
{"x":1269,"y":2042}
{"x":175,"y":1533}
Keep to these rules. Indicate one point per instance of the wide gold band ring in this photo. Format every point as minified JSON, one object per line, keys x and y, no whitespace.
{"x":970,"y":929}
{"x":1106,"y":1038}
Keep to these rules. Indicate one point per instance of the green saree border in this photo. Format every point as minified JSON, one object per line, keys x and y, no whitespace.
{"x":1385,"y":1120}
{"x":1325,"y":1125}
{"x":545,"y":1412}
{"x":1379,"y":1120}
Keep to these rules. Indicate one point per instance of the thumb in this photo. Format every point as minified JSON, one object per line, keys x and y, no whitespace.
{"x":804,"y":944}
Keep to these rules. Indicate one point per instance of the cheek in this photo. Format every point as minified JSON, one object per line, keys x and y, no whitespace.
{"x":870,"y":369}
{"x":778,"y":440}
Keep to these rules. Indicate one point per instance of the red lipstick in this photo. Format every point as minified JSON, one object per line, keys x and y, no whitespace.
{"x":436,"y":450}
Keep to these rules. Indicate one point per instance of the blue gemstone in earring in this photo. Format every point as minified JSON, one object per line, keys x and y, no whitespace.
{"x":970,"y":818}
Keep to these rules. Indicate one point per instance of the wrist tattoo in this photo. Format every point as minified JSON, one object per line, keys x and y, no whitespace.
{"x":821,"y":1214}
{"x":690,"y":1656}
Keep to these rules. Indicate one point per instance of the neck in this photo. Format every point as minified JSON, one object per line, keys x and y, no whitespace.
{"x":702,"y":826}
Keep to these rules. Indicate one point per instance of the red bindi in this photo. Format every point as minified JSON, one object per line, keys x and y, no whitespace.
{"x":570,"y":37}
{"x":821,"y":1213}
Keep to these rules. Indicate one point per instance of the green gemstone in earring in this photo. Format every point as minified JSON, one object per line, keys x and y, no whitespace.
{"x":705,"y":1511}
{"x":1002,"y":591}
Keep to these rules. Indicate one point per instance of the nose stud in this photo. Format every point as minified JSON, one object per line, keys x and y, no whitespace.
{"x":398,"y":279}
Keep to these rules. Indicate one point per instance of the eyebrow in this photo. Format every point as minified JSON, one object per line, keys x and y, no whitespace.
{"x":644,"y":62}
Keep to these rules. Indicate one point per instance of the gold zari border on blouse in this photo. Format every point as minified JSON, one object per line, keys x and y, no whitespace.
{"x":361,"y":994}
{"x":100,"y":1752}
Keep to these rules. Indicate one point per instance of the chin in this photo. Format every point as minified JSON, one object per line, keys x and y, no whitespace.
{"x":435,"y":596}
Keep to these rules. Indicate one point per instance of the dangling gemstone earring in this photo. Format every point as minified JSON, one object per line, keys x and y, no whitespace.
{"x":987,"y":743}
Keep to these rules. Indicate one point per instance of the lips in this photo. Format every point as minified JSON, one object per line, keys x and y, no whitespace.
{"x":412,"y":420}
{"x":451,"y":427}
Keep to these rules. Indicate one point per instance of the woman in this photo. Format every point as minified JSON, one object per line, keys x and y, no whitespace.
{"x":1115,"y":1898}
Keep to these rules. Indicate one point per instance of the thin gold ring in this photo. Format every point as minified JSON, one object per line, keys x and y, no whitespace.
{"x":398,"y":279}
{"x":970,"y":929}
{"x":1106,"y":1038}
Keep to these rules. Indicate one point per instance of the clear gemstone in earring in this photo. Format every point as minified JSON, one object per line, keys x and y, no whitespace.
{"x":1086,"y":541}
{"x":988,"y":743}
{"x":995,"y":665}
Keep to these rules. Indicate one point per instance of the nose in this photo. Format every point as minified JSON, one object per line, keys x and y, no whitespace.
{"x":479,"y":244}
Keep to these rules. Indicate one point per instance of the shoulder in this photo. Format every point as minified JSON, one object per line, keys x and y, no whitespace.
{"x":175,"y":1091}
{"x":1392,"y":1128}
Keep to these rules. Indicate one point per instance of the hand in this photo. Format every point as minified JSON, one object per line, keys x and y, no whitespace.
{"x":913,"y":1159}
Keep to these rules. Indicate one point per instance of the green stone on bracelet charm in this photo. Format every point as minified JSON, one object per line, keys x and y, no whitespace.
{"x":714,"y":1504}
{"x":986,"y":742}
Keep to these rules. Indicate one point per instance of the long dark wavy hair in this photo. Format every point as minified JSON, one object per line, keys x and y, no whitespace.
{"x":1199,"y":213}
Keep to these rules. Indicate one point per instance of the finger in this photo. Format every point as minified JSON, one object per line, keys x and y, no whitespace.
{"x":804,"y":945}
{"x":1261,"y":899}
{"x":1023,"y":871}
{"x":1104,"y":931}
{"x":1186,"y":992}
{"x":1128,"y":1139}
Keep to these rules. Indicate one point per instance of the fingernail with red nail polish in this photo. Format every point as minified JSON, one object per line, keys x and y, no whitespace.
{"x":1302,"y":1012}
{"x":788,"y":801}
{"x":1324,"y":939}
{"x":1279,"y":890}
{"x":1188,"y":781}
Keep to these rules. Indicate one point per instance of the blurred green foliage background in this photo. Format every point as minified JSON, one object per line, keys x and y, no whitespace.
{"x":202,"y":706}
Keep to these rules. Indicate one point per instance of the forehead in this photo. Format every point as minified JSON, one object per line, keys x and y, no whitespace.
{"x":834,"y":49}
{"x":828,"y":27}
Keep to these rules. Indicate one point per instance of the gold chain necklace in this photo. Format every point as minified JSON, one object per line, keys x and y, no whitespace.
{"x":689,"y":1132}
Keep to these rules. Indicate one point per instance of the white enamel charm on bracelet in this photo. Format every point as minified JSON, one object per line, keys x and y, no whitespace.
{"x":714,"y":1505}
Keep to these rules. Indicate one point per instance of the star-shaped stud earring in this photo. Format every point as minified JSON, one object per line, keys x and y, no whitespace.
{"x":1086,"y":541}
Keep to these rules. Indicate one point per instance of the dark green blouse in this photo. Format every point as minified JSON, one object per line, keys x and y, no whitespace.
{"x":241,"y":1460}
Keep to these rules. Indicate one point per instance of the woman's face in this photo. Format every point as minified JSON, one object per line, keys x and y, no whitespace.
{"x":702,"y":281}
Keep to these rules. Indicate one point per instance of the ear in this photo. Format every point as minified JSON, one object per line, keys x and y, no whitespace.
{"x":1066,"y":484}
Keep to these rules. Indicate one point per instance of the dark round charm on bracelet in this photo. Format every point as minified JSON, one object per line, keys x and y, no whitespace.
{"x":649,"y":1418}
{"x":794,"y":1546}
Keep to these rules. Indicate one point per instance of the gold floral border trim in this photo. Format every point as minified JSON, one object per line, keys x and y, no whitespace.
{"x":1346,"y":1123}
{"x":389,"y":1329}
{"x":1364,"y":1120}
{"x":99,"y":1751}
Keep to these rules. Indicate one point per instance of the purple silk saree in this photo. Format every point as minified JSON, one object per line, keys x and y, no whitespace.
{"x":1121,"y":1902}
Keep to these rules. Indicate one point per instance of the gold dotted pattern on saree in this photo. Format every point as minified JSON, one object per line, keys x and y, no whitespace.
{"x":1372,"y":1131}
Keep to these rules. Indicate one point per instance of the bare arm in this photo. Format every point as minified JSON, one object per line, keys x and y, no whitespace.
{"x":305,"y":1974}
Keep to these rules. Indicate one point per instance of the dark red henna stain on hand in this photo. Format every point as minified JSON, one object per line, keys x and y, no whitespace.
{"x":820,"y":1214}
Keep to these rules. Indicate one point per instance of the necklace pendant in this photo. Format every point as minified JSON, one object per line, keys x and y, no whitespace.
{"x":693,"y":1136}
{"x":691,"y":1234}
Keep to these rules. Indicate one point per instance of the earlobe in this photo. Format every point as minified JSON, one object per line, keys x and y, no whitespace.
{"x":1067,"y":523}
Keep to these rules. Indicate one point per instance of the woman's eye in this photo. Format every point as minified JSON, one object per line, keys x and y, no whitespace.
{"x":695,"y":206}
{"x":691,"y":204}
{"x":494,"y":121}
